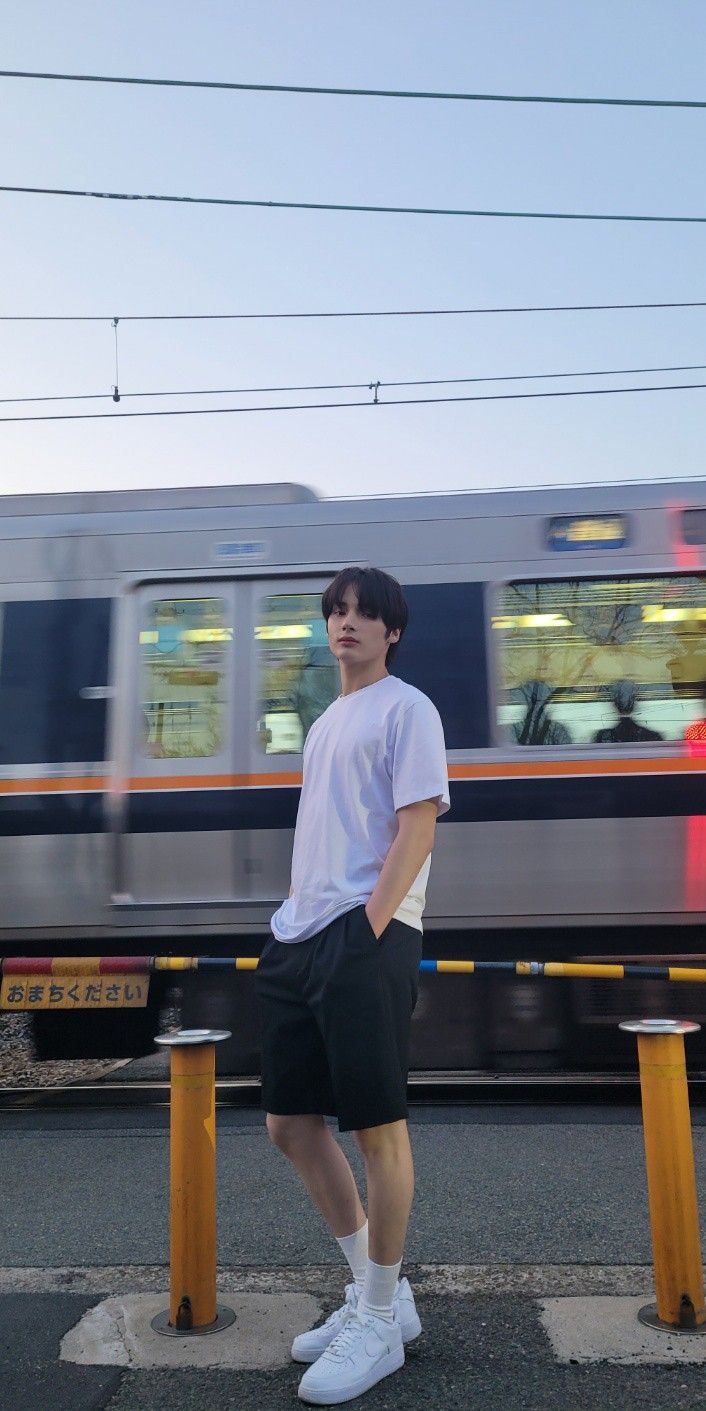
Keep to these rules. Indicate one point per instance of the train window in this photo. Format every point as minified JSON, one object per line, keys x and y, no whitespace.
{"x":602,"y":661}
{"x":694,"y":526}
{"x":298,"y":675}
{"x":52,"y":654}
{"x":183,"y":649}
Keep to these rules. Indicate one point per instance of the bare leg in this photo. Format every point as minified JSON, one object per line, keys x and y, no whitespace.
{"x":390,"y":1176}
{"x":322,"y":1166}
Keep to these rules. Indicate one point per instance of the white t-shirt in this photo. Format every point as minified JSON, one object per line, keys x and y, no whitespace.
{"x":370,"y":753}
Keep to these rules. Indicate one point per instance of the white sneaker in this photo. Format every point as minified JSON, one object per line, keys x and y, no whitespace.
{"x":310,"y":1345}
{"x":365,"y":1350}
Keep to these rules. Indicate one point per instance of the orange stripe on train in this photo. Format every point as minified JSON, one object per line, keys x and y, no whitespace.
{"x":519,"y":769}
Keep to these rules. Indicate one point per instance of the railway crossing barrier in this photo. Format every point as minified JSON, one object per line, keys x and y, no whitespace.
{"x":116,"y":982}
{"x":192,"y":1224}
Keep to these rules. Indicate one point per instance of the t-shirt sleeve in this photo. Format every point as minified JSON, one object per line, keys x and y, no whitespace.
{"x":419,"y":758}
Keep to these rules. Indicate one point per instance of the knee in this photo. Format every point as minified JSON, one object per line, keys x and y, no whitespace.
{"x":281,"y":1131}
{"x":288,"y":1133}
{"x":387,"y":1143}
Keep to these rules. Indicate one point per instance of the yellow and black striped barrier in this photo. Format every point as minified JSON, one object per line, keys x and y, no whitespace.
{"x":627,"y":970}
{"x":118,"y":982}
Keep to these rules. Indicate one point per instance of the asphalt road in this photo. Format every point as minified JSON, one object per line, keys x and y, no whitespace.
{"x":566,"y":1188}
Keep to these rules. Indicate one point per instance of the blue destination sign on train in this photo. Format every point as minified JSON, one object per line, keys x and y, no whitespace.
{"x":241,"y":550}
{"x":567,"y":533}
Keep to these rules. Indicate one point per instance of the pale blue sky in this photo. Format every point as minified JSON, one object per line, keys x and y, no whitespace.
{"x":63,"y":255}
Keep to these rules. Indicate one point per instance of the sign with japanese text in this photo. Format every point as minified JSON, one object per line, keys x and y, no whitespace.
{"x":74,"y":991}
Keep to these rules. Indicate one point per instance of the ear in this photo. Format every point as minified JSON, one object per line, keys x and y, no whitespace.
{"x":393,"y":636}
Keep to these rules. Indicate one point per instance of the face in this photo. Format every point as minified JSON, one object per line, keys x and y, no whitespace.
{"x":355,"y":638}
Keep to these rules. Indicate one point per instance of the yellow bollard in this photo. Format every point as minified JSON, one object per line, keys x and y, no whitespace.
{"x":192,"y":1147}
{"x":671,"y":1180}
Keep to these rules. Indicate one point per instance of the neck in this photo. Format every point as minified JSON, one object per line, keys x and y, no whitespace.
{"x":354,"y":678}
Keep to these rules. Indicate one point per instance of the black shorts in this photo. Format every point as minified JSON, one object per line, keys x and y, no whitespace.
{"x":336,"y":1013}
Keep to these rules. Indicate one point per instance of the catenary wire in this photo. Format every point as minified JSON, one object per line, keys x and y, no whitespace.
{"x":353,"y":313}
{"x":228,"y":391}
{"x":356,"y":386}
{"x":332,"y":406}
{"x":312,"y":89}
{"x":348,"y":206}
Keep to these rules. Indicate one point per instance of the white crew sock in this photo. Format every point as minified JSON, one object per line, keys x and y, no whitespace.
{"x":379,"y":1289}
{"x":355,"y":1248}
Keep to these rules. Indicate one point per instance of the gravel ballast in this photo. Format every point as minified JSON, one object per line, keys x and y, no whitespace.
{"x":20,"y":1069}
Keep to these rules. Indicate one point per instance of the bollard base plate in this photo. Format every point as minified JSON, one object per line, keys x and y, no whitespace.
{"x":648,"y":1316}
{"x":224,"y":1318}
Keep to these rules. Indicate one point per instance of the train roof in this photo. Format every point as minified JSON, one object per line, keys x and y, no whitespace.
{"x":303,"y":504}
{"x":174,"y":497}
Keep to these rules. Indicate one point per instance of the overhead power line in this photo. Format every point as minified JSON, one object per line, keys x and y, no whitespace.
{"x":342,"y":406}
{"x":354,"y":386}
{"x":314,"y":89}
{"x":350,"y":313}
{"x":346,"y":206}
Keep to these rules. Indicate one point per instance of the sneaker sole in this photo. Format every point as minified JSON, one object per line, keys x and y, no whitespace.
{"x":410,"y":1330}
{"x":384,"y":1368}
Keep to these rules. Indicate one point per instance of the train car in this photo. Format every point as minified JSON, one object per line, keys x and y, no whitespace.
{"x":162,"y":656}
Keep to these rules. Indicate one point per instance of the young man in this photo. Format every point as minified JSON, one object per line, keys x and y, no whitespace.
{"x":338,"y":978}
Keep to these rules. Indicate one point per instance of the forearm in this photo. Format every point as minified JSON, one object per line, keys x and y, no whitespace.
{"x":407,"y":855}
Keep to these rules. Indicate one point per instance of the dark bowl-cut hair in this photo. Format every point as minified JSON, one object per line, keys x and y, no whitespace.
{"x":378,"y":594}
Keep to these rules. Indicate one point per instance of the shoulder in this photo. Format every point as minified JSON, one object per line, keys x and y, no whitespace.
{"x":407,"y":697}
{"x":410,"y":707}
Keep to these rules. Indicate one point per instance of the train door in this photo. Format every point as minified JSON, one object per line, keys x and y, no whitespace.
{"x":180,"y":732}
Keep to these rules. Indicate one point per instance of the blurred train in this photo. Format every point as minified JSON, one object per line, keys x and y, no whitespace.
{"x":162,"y":656}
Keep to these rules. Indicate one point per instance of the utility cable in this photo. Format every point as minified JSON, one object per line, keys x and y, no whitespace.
{"x":218,"y":391}
{"x":540,"y":376}
{"x":355,"y":386}
{"x":352,"y":313}
{"x":332,"y":406}
{"x":310,"y":89}
{"x":345,"y":206}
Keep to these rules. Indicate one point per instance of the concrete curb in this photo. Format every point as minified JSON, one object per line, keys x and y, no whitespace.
{"x":326,"y":1280}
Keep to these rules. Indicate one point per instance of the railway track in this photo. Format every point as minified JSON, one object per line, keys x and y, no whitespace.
{"x":456,"y":1086}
